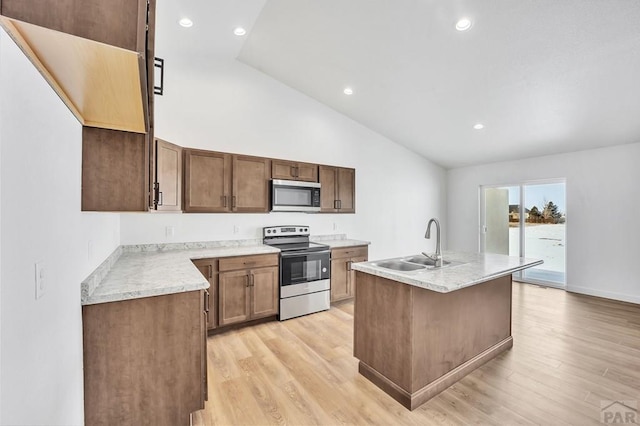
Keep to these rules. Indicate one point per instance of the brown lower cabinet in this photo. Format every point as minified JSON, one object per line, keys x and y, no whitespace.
{"x":342,"y":276}
{"x":247,"y":288}
{"x":209,"y":269}
{"x":145,"y":360}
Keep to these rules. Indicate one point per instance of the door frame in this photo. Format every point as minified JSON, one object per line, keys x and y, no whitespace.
{"x":519,"y":276}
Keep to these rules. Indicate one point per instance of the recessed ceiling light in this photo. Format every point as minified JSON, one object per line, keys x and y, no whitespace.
{"x":348,"y":91}
{"x":186,"y":22}
{"x":239,"y":31}
{"x":463,"y":24}
{"x":478,"y":126}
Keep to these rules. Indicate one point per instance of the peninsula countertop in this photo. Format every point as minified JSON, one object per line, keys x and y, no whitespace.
{"x":135,"y":271}
{"x":470,"y":269}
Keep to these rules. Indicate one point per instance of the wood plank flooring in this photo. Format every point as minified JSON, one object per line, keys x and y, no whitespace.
{"x":570,"y":352}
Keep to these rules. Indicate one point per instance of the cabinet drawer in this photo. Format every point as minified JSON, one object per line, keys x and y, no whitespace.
{"x":339,"y":253}
{"x":246,"y":262}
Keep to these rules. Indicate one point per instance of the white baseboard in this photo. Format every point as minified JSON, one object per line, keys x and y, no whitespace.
{"x":603,"y":293}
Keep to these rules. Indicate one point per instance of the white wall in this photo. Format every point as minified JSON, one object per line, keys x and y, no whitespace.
{"x":602,"y":213}
{"x":40,"y":178}
{"x":234,"y":108}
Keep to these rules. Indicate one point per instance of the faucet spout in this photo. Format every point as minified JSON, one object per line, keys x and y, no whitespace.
{"x":438,"y":254}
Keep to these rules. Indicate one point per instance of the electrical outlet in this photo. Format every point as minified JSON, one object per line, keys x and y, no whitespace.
{"x":40,"y":281}
{"x":169,"y":231}
{"x":335,"y":226}
{"x":236,"y":229}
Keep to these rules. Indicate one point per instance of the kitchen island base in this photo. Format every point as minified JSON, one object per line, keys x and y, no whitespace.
{"x":413,"y":343}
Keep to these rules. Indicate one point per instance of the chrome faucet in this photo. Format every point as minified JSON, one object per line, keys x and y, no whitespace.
{"x":438,"y":254}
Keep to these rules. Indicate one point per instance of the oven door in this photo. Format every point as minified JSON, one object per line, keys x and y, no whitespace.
{"x":304,"y":267}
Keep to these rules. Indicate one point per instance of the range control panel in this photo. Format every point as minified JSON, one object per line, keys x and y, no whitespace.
{"x":286,"y":231}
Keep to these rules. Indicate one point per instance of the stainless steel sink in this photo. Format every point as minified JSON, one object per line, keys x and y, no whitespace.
{"x":415,"y":263}
{"x":423,"y":260}
{"x":398,"y":265}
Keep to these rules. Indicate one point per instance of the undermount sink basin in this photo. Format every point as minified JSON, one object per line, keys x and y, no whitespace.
{"x":415,"y":263}
{"x":423,"y":260}
{"x":398,"y":265}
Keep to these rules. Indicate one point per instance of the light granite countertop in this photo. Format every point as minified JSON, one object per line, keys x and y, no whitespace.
{"x":136,"y":271}
{"x":133,"y":272}
{"x":338,"y":241}
{"x":468,"y":269}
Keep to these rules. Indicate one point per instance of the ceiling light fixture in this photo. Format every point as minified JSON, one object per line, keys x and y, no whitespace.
{"x":186,"y":23}
{"x":478,"y":126}
{"x":348,"y":91}
{"x":239,"y":31}
{"x":463,"y":24}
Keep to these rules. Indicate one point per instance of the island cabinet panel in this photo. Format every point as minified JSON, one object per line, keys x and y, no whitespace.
{"x":457,"y":326}
{"x":168,"y":176}
{"x":343,"y":281}
{"x":207,"y":181}
{"x":413,"y":343}
{"x":209,"y":269}
{"x":144,"y":360}
{"x":292,"y":170}
{"x":120,"y":23}
{"x":248,"y":288}
{"x":251,"y":177}
{"x":114,"y":168}
{"x":338,"y":189}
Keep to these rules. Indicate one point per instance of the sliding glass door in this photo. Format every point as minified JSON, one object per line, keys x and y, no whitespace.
{"x":527,"y":220}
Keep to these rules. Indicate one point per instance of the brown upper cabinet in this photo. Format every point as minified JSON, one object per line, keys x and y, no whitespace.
{"x":120,"y":23}
{"x":98,"y":56}
{"x":216,"y":182}
{"x":338,"y":189}
{"x":291,"y":170}
{"x":114,"y":168}
{"x":167,"y":188}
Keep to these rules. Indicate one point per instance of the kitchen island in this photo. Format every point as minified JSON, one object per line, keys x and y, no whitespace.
{"x":416,"y":332}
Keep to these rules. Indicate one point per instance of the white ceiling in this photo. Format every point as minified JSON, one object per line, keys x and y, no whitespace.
{"x":543,"y":76}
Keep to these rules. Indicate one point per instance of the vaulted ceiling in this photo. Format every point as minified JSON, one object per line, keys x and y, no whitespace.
{"x":542,"y":77}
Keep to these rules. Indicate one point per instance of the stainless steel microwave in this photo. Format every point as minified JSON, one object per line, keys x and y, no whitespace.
{"x":294,"y":196}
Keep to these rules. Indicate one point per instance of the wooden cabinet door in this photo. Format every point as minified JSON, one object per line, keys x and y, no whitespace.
{"x":250,"y":184}
{"x":120,"y":23}
{"x":352,"y":274}
{"x":281,"y":169}
{"x":209,"y":269}
{"x":306,"y":172}
{"x":203,"y":358}
{"x":168,"y":176}
{"x":264,"y":292}
{"x":339,"y":279}
{"x":328,"y":183}
{"x":207,"y":181}
{"x":233,"y":297}
{"x":291,"y":170}
{"x":346,"y":190}
{"x":115,"y":173}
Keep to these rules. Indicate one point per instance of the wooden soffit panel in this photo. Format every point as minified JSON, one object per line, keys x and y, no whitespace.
{"x":101,"y":84}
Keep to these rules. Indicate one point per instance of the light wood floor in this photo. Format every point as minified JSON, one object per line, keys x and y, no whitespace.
{"x":570,"y":352}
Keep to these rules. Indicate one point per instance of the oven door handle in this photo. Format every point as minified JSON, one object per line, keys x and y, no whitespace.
{"x":289,"y":254}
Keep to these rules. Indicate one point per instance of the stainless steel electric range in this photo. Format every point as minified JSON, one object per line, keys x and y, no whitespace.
{"x":305,"y":270}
